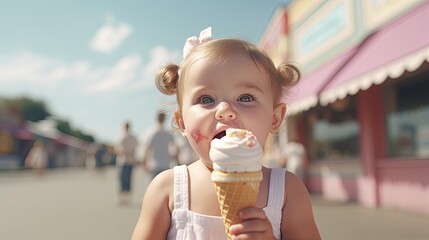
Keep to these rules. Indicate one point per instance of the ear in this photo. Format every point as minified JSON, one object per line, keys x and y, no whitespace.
{"x":278,"y":117}
{"x":178,"y":119}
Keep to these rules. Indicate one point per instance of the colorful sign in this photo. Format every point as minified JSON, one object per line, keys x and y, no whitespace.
{"x":327,"y":28}
{"x":378,"y":12}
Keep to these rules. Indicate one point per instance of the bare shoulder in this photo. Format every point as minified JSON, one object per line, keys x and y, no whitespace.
{"x":163,"y":179}
{"x":162,"y":188}
{"x":297,"y":214}
{"x":155,"y":216}
{"x":294,"y":186}
{"x":297,"y":198}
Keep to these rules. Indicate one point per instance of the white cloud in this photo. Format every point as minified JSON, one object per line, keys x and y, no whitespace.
{"x":25,"y":71}
{"x":110,"y":36}
{"x":159,"y":57}
{"x":40,"y":71}
{"x":77,"y":90}
{"x":29,"y":68}
{"x":83,"y":71}
{"x":119,"y":76}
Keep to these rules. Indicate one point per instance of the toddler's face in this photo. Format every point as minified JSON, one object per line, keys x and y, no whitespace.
{"x":234,"y":93}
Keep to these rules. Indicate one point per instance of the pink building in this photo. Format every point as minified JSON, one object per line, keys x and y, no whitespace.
{"x":362,"y":107}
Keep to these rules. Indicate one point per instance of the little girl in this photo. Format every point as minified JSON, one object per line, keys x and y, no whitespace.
{"x":221,"y":84}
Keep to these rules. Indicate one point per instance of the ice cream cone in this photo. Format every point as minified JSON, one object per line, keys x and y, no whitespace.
{"x":235,"y":191}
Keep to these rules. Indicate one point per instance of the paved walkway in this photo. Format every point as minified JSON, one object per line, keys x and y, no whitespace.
{"x":349,"y":221}
{"x":80,"y":204}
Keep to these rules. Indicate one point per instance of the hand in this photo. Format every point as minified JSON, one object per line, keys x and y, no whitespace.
{"x":145,"y":167}
{"x":255,"y":225}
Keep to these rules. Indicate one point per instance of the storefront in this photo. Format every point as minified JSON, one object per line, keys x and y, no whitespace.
{"x":15,"y":142}
{"x":362,"y":107}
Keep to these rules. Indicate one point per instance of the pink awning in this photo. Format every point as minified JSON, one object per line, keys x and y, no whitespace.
{"x":305,"y":94}
{"x":401,"y":45}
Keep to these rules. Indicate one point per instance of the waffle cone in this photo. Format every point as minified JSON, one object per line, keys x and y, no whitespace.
{"x":235,"y":191}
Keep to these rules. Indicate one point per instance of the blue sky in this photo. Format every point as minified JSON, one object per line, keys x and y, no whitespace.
{"x":93,"y":62}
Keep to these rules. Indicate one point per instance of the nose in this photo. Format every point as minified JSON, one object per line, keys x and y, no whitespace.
{"x":225,"y":112}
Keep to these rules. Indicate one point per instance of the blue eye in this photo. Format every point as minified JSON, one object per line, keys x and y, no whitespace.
{"x":205,"y":100}
{"x":246,"y":98}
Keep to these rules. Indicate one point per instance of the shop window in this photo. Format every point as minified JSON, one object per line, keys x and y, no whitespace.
{"x":333,"y":131}
{"x":6,"y":142}
{"x":407,"y":117}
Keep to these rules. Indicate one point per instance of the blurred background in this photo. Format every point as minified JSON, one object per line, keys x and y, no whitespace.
{"x":357,"y":130}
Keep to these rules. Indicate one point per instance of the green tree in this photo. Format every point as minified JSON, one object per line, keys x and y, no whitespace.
{"x":64,"y":127}
{"x":31,"y":110}
{"x":84,"y":136}
{"x":36,"y":110}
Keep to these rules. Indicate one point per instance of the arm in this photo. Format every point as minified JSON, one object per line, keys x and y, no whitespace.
{"x":175,"y":146}
{"x":176,"y":156}
{"x":117,"y":149}
{"x":297,"y":214}
{"x":155,"y":216}
{"x":29,"y":159}
{"x":145,"y":156}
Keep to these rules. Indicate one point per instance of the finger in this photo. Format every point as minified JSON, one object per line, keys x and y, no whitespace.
{"x":246,"y":236}
{"x":248,"y":226}
{"x":252,"y":213}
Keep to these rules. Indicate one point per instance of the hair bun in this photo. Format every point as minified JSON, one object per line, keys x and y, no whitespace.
{"x":167,"y":79}
{"x":290,"y":74}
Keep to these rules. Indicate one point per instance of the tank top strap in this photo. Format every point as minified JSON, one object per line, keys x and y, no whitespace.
{"x":276,"y":189}
{"x":181,"y":187}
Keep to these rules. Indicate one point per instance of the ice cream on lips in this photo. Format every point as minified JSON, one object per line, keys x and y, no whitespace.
{"x":237,"y":151}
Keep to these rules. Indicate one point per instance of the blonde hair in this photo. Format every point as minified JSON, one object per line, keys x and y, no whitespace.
{"x":170,"y":79}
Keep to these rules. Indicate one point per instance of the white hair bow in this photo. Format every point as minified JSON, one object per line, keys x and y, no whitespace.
{"x":193,"y":41}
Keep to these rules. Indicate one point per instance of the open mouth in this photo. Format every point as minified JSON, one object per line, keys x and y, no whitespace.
{"x":220,"y":135}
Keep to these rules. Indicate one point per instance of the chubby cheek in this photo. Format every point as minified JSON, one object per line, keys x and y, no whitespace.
{"x":197,"y":136}
{"x":200,"y":143}
{"x":262,"y":135}
{"x":198,"y":124}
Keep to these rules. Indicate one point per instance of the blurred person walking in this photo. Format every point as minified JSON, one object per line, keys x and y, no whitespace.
{"x":91,"y":148}
{"x":125,"y":150}
{"x":296,"y":159}
{"x":161,"y":150}
{"x":100,"y":155}
{"x":37,"y":158}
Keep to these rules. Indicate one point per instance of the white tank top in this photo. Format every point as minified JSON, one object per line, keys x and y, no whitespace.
{"x":189,"y":225}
